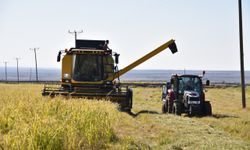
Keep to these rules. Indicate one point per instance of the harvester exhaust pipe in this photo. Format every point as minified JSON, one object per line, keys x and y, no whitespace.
{"x":59,"y":56}
{"x":173,"y":47}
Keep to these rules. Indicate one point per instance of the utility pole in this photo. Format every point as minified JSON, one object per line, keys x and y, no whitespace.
{"x":30,"y":74}
{"x":5,"y":64}
{"x":243,"y":90}
{"x":75,"y":33}
{"x":34,"y":49}
{"x":17,"y":69}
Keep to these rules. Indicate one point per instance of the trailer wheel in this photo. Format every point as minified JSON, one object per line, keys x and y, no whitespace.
{"x":177,"y":108}
{"x":207,"y":109}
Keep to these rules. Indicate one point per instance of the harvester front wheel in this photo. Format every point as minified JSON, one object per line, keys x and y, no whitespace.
{"x":130,"y":100}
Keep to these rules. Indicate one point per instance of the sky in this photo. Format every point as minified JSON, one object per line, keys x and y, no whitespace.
{"x":206,"y":31}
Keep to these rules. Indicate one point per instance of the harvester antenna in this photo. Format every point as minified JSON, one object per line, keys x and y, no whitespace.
{"x":75,"y":33}
{"x":6,"y":75}
{"x":17,"y":68}
{"x":34,"y":49}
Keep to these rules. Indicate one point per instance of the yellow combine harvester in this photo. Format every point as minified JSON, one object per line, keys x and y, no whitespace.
{"x":89,"y":70}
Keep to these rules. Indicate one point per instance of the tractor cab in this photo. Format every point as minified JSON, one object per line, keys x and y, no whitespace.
{"x":181,"y":83}
{"x":188,"y":83}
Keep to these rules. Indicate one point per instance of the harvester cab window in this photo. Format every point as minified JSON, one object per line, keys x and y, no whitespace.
{"x":108,"y":64}
{"x":88,"y":68}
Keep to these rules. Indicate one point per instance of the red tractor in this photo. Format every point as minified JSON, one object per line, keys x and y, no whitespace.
{"x":184,"y":94}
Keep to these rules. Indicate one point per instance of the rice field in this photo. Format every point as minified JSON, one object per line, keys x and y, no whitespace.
{"x":30,"y":121}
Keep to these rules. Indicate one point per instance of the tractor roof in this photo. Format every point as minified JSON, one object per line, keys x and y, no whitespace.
{"x":189,"y":75}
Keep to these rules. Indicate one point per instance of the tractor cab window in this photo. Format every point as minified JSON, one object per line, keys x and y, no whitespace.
{"x":87,"y":68}
{"x":190,"y":84}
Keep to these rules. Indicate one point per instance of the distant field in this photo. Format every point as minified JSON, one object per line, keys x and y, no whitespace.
{"x":30,"y":121}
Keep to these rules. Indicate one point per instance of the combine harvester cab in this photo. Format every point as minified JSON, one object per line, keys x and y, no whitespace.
{"x":90,"y":71}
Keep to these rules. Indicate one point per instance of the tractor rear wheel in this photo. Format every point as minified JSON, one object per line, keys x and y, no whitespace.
{"x":170,"y":106}
{"x":177,"y":108}
{"x":207,"y":109}
{"x":165,"y":107}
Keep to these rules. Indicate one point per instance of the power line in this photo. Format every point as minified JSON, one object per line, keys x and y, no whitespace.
{"x":35,"y":49}
{"x":243,"y":90}
{"x":75,"y":33}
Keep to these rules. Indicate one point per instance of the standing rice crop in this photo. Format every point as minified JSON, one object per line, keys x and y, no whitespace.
{"x":30,"y":121}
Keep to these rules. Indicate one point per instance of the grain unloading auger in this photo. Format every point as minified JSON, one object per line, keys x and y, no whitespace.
{"x":89,"y":70}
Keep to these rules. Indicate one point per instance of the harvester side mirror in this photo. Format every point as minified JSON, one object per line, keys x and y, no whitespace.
{"x":117,"y":58}
{"x":59,"y":56}
{"x":173,"y":47}
{"x":207,"y":83}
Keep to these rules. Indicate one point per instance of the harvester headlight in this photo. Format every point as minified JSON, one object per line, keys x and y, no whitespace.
{"x":66,"y":76}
